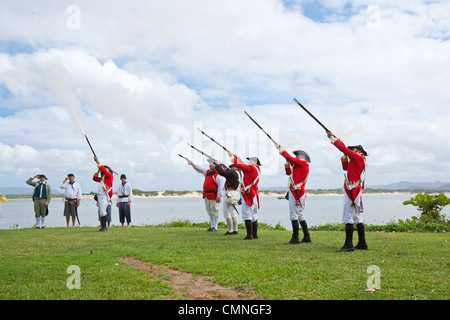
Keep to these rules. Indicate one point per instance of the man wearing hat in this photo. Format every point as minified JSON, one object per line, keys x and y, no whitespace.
{"x":231,"y":195}
{"x":298,"y":170}
{"x":249,"y":194}
{"x":212,"y":191}
{"x":72,"y":191}
{"x":42,"y":196}
{"x":354,"y":163}
{"x":124,"y":198}
{"x":104,"y":192}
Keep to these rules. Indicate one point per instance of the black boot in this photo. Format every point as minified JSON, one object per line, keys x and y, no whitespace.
{"x":362,"y":245}
{"x":348,"y":245}
{"x":255,"y":229}
{"x":306,"y":237}
{"x":248,"y":226}
{"x":294,"y":239}
{"x":103,"y":223}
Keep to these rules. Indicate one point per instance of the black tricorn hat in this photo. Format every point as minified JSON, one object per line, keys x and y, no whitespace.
{"x":360,"y":148}
{"x":304,"y":154}
{"x":255,"y":159}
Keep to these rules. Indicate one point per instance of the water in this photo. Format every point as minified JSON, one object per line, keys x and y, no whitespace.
{"x":379,"y":209}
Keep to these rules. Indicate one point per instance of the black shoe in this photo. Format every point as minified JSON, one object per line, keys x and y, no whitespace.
{"x":228,"y":233}
{"x":234,"y":232}
{"x":348,"y":245}
{"x":294,"y":238}
{"x":362,"y":245}
{"x":306,"y":237}
{"x":255,"y":229}
{"x":249,"y":227}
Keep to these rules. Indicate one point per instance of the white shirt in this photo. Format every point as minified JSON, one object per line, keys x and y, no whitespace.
{"x":123,"y":190}
{"x":72,"y":191}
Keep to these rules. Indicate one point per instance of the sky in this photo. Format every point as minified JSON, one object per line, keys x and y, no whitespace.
{"x":139,"y":77}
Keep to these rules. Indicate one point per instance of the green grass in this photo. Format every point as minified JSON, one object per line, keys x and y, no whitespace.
{"x":33,"y":263}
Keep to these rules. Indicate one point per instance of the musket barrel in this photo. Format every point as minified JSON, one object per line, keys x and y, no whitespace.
{"x":311,"y":115}
{"x":257,"y":124}
{"x":203,"y":132}
{"x":90,"y":145}
{"x":200,"y":151}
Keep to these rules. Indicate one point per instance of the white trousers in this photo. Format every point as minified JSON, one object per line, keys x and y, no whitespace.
{"x":228,"y":210}
{"x":295,"y":211}
{"x":352,"y":214}
{"x":212,"y":208}
{"x":102,"y":200}
{"x":250,"y":212}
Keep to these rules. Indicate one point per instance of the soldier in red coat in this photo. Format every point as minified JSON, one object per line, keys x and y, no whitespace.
{"x":249,"y":194}
{"x":297,"y":168}
{"x":354,"y":163}
{"x":104,"y":192}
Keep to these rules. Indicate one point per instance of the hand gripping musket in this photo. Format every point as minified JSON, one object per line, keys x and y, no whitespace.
{"x":200,"y":151}
{"x":226,"y":150}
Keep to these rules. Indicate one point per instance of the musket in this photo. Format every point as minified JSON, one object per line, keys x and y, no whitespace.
{"x":296,"y":192}
{"x":268,"y":135}
{"x":312,"y":116}
{"x":76,"y":213}
{"x":188,"y":160}
{"x":90,"y":145}
{"x":95,"y":154}
{"x":200,"y":151}
{"x":226,"y":150}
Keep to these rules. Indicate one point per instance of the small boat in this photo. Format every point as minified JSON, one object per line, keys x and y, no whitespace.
{"x":3,"y":199}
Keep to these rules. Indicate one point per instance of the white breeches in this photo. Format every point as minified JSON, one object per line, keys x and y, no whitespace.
{"x":296,"y":211}
{"x":250,"y":212}
{"x":103,"y":200}
{"x":228,"y":209}
{"x":352,"y":213}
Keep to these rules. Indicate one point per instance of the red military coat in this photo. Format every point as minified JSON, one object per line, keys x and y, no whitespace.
{"x":249,"y":182}
{"x":355,"y":165}
{"x":298,"y":169}
{"x":106,"y":180}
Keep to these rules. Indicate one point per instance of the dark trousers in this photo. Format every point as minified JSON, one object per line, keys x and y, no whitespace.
{"x":124,"y":212}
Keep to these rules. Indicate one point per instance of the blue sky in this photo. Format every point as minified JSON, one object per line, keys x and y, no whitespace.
{"x":142,"y":75}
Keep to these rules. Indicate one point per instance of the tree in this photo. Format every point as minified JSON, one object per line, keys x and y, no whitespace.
{"x":430,"y":206}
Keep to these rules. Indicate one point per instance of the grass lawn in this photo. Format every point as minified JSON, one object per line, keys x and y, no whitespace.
{"x":34,"y":263}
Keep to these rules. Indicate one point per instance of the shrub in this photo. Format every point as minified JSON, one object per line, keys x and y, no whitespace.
{"x":430,"y":206}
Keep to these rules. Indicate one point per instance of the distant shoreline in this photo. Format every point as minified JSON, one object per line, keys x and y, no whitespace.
{"x":198,"y":194}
